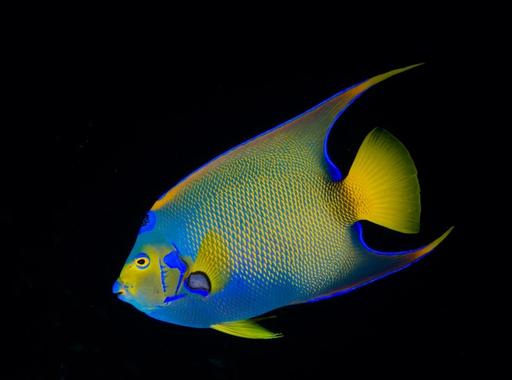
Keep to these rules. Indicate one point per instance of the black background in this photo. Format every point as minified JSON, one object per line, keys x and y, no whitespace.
{"x":104,"y":129}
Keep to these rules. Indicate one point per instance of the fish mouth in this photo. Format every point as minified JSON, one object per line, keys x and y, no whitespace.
{"x":119,"y":289}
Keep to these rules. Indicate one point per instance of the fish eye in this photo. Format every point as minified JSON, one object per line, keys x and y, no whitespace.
{"x":142,"y":261}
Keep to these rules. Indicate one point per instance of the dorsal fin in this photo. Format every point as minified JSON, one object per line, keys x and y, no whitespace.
{"x":333,"y":107}
{"x":303,"y":137}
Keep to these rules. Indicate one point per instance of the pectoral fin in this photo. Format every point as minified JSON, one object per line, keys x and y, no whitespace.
{"x":211,"y":269}
{"x":246,"y":329}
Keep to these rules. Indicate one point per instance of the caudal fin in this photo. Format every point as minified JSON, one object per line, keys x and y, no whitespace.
{"x":382,"y":184}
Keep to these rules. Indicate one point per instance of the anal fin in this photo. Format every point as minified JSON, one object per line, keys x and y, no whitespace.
{"x":378,"y":264}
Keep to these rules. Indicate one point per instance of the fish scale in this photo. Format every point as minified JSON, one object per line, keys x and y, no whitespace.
{"x":275,"y":218}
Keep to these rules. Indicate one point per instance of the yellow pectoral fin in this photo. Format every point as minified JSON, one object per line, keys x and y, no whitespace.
{"x":214,"y":261}
{"x":246,"y":329}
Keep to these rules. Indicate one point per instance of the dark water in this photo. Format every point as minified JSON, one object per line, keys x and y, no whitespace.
{"x":111,"y":135}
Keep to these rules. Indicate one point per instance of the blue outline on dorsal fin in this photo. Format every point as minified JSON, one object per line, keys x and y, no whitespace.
{"x":333,"y":170}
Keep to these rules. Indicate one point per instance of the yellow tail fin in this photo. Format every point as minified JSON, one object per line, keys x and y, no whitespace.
{"x":382,"y":184}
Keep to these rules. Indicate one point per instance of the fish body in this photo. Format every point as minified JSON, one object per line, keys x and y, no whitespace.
{"x":272,"y":223}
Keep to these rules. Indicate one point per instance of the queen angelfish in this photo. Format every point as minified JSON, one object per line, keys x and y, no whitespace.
{"x":272,"y":222}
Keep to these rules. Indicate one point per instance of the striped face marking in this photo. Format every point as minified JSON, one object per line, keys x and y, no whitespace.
{"x":172,"y":261}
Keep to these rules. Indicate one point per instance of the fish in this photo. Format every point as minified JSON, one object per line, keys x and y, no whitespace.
{"x":273,"y":222}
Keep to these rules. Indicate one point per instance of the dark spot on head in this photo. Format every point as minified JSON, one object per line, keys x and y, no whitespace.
{"x":198,"y":282}
{"x":148,"y":223}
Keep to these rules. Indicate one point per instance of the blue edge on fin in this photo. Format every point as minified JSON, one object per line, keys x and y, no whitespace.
{"x":173,"y":260}
{"x":333,"y":170}
{"x":359,"y":230}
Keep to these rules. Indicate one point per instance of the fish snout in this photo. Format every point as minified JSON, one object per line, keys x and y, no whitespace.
{"x":119,"y":289}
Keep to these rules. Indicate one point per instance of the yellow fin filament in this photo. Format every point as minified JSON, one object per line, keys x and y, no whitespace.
{"x":341,"y":102}
{"x":430,"y":247}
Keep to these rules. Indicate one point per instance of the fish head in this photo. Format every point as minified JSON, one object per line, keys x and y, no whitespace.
{"x":151,"y":276}
{"x":153,"y":273}
{"x":165,"y":278}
